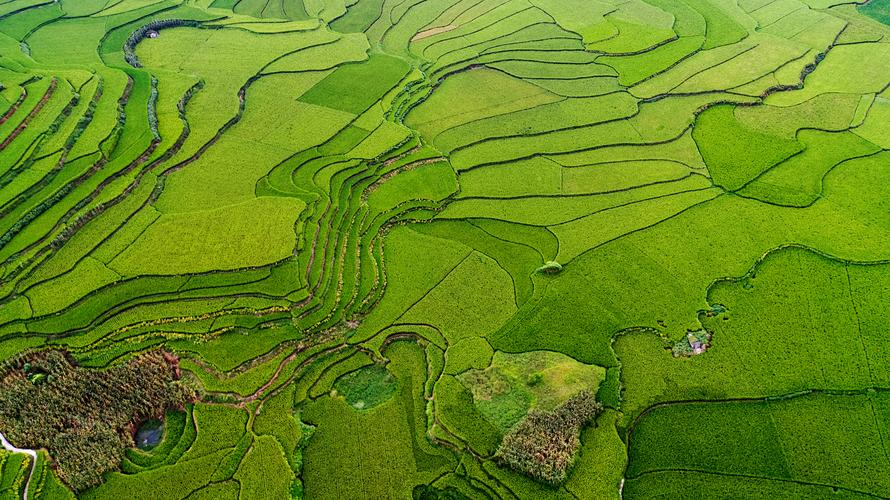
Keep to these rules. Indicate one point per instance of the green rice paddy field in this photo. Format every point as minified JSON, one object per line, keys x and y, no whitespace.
{"x":445,"y":249}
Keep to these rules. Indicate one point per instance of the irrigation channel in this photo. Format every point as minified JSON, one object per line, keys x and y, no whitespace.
{"x":32,"y":453}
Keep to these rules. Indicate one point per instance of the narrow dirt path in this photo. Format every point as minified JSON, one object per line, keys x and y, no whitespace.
{"x":32,"y":453}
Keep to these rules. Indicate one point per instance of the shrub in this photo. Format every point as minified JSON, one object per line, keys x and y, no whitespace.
{"x":550,"y":267}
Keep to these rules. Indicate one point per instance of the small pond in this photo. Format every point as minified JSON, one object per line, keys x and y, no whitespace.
{"x":149,"y":434}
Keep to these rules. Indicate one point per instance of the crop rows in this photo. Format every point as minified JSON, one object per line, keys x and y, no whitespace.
{"x":377,"y":234}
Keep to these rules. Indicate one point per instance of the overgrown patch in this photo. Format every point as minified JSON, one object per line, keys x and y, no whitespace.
{"x":544,"y":445}
{"x":367,"y":387}
{"x":516,"y":383}
{"x":85,"y":418}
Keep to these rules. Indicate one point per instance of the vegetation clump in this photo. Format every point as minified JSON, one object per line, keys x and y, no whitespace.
{"x":152,"y":109}
{"x":693,"y":344}
{"x":366,"y":387}
{"x":85,"y":418}
{"x":544,"y":445}
{"x":550,"y":267}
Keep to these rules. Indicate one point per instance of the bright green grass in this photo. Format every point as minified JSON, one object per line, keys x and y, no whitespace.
{"x":431,"y":182}
{"x":798,"y":180}
{"x":222,"y":176}
{"x":477,"y":311}
{"x":228,"y":238}
{"x":339,"y":90}
{"x":632,"y":70}
{"x":472,"y":95}
{"x":264,"y":470}
{"x":473,"y":353}
{"x":457,"y":412}
{"x":515,"y":257}
{"x":603,"y":454}
{"x":391,"y":456}
{"x":798,"y":309}
{"x":325,"y":383}
{"x":736,"y":154}
{"x":278,"y":418}
{"x":166,"y":482}
{"x":219,"y":428}
{"x":407,"y":250}
{"x":849,"y":69}
{"x":244,"y":383}
{"x":660,"y":484}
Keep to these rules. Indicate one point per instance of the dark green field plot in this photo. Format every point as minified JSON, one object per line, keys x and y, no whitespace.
{"x":784,"y":442}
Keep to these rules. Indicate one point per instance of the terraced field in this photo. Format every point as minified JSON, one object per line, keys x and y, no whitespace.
{"x":445,"y":249}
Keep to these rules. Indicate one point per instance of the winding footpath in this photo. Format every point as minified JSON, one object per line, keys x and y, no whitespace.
{"x":32,"y":453}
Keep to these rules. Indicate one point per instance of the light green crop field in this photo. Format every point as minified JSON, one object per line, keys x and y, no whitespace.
{"x":444,"y":249}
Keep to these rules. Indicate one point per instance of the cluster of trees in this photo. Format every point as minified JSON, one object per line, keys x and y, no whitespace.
{"x":72,"y":228}
{"x":141,"y":33}
{"x":187,"y":97}
{"x":544,"y":445}
{"x":152,"y":109}
{"x":35,"y":212}
{"x":85,"y":418}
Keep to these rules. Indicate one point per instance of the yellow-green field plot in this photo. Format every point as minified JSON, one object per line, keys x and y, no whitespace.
{"x":444,"y":249}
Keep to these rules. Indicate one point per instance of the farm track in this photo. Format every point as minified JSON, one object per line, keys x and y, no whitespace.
{"x":33,"y":456}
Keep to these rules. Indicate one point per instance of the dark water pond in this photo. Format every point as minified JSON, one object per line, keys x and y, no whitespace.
{"x":149,"y":434}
